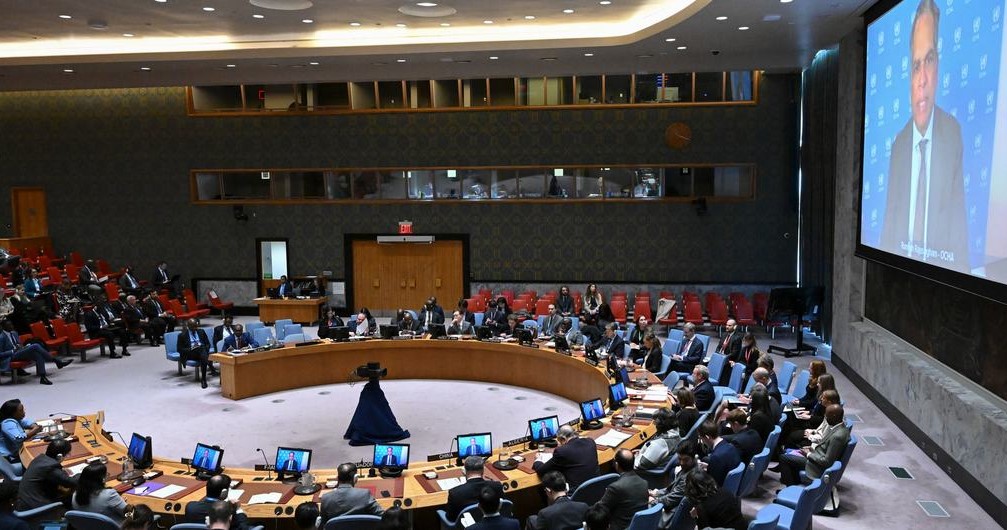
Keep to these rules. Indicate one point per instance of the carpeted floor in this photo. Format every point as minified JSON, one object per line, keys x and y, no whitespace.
{"x":142,"y":393}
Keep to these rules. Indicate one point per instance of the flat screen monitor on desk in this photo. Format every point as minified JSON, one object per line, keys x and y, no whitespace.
{"x":543,"y":430}
{"x":206,"y":459}
{"x":484,"y":332}
{"x":391,"y":455}
{"x":388,"y":331}
{"x":617,"y":394}
{"x":140,"y":451}
{"x":476,"y":444}
{"x":437,"y":330}
{"x":592,"y":411}
{"x":292,"y":461}
{"x":339,"y":333}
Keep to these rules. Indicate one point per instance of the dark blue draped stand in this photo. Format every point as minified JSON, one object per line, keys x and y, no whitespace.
{"x":373,"y":422}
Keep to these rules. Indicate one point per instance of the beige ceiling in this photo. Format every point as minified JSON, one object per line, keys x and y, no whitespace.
{"x":179,"y":43}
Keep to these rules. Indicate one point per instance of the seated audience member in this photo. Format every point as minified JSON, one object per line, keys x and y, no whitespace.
{"x":25,"y":311}
{"x":576,"y":458}
{"x":591,"y":305}
{"x":495,"y":318}
{"x":93,"y":496}
{"x":129,"y":284}
{"x":684,"y":406}
{"x":651,"y":355}
{"x":162,"y":279}
{"x":713,"y":507}
{"x":744,"y":438}
{"x":286,"y":288}
{"x":564,"y":302}
{"x":671,"y":496}
{"x":216,"y":486}
{"x":220,"y":516}
{"x":157,"y":312}
{"x":468,"y":316}
{"x":660,"y":448}
{"x":817,"y":457}
{"x":409,"y":325}
{"x":510,"y":330}
{"x":239,"y":340}
{"x":346,"y":498}
{"x":32,"y":285}
{"x":551,"y":322}
{"x":361,"y":327}
{"x":15,"y":430}
{"x":574,"y":338}
{"x":395,"y":518}
{"x":224,"y":330}
{"x":45,"y":481}
{"x":329,"y":321}
{"x":773,"y":383}
{"x":731,"y":344}
{"x":748,"y":355}
{"x":458,"y":325}
{"x":138,"y":517}
{"x":87,"y":278}
{"x":136,"y":319}
{"x":639,"y":333}
{"x":194,"y":345}
{"x":463,"y":495}
{"x":6,"y":307}
{"x":597,"y":518}
{"x":561,"y":513}
{"x":702,"y":387}
{"x":761,"y":416}
{"x":809,"y":410}
{"x":306,"y":516}
{"x":489,"y":504}
{"x":67,"y":300}
{"x":762,"y":377}
{"x":722,"y":456}
{"x":817,"y":371}
{"x":431,"y":313}
{"x":611,"y":343}
{"x":797,"y":439}
{"x":627,"y":495}
{"x":100,"y":323}
{"x":8,"y":493}
{"x":317,"y":286}
{"x":690,"y":351}
{"x":11,"y":349}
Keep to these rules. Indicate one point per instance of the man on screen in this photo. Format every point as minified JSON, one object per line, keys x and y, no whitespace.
{"x":291,"y":464}
{"x":472,"y":449}
{"x":203,"y":460}
{"x":925,"y":210}
{"x":389,"y":459}
{"x":544,"y":431}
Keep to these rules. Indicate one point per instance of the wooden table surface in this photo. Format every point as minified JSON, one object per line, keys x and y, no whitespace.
{"x":302,"y":311}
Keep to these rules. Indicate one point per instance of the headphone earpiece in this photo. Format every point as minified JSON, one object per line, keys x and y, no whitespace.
{"x":223,"y":494}
{"x":207,"y":519}
{"x":318,"y":521}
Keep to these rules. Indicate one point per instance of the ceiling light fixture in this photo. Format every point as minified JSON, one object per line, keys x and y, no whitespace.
{"x":355,"y":24}
{"x":400,"y":60}
{"x":445,"y":25}
{"x":65,"y":17}
{"x":681,"y":47}
{"x":128,"y":35}
{"x":722,"y":17}
{"x":548,"y":59}
{"x":568,"y":11}
{"x":313,"y":63}
{"x":426,"y":4}
{"x":258,"y":16}
{"x":605,"y":2}
{"x":145,"y":68}
{"x":670,"y":39}
{"x":487,"y":22}
{"x":160,"y":1}
{"x":786,"y":1}
{"x":742,"y":28}
{"x":232,"y":66}
{"x":68,"y":70}
{"x":400,"y":25}
{"x":493,"y":57}
{"x":529,"y":17}
{"x":208,"y":9}
{"x":308,"y":21}
{"x":588,"y":55}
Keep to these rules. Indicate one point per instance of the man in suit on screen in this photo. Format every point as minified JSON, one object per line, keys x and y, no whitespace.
{"x":925,"y":211}
{"x":472,"y":449}
{"x":389,"y":459}
{"x":544,"y":431}
{"x":291,"y":463}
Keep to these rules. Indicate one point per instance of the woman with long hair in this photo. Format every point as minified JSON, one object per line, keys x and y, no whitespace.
{"x":92,"y":495}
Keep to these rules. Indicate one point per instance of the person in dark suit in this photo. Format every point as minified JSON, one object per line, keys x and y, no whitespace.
{"x":496,"y":317}
{"x":627,"y":495}
{"x":224,"y":330}
{"x":690,"y":351}
{"x":652,"y":355}
{"x":748,"y":355}
{"x":12,"y":350}
{"x":129,"y":284}
{"x":562,"y":513}
{"x":473,"y":448}
{"x":8,"y":494}
{"x":489,"y":505}
{"x":459,"y":326}
{"x":746,"y":439}
{"x":346,"y":498}
{"x":576,"y":458}
{"x":161,"y":279}
{"x":723,"y":456}
{"x":99,"y":326}
{"x":409,"y":324}
{"x":925,"y":217}
{"x":329,"y":321}
{"x":817,"y":457}
{"x":87,"y":278}
{"x":544,"y":430}
{"x":194,"y":345}
{"x":431,"y":313}
{"x":45,"y":481}
{"x":612,"y":343}
{"x":389,"y":459}
{"x":290,"y":464}
{"x":712,"y":506}
{"x":155,"y":310}
{"x":564,"y":302}
{"x":239,"y":339}
{"x":729,"y":345}
{"x":551,"y":322}
{"x":216,"y":490}
{"x":464,"y":495}
{"x":703,"y":388}
{"x":135,"y":319}
{"x":285,"y":288}
{"x":468,"y":316}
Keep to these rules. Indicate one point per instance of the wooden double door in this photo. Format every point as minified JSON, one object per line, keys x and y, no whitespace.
{"x":392,"y":276}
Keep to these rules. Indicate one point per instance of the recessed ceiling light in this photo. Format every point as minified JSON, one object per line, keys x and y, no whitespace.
{"x":742,"y":28}
{"x":400,"y":60}
{"x":681,"y":47}
{"x":548,"y":59}
{"x":445,"y":25}
{"x":208,"y":9}
{"x":232,"y":66}
{"x":568,"y":11}
{"x":400,"y":25}
{"x":493,"y":57}
{"x":355,"y":24}
{"x":786,"y":1}
{"x":128,"y":35}
{"x":605,"y":2}
{"x":160,"y":1}
{"x":258,"y":16}
{"x":65,"y":17}
{"x":722,"y":17}
{"x":529,"y":17}
{"x":588,"y":55}
{"x":670,"y":39}
{"x":487,"y":22}
{"x":145,"y":68}
{"x":313,"y":63}
{"x":68,"y":70}
{"x":307,"y":21}
{"x":426,"y":4}
{"x":771,"y":18}
{"x":644,"y":56}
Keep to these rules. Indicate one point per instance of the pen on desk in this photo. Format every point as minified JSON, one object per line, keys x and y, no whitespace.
{"x":140,"y":491}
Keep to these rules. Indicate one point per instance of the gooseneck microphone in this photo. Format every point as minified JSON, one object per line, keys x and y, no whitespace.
{"x":93,"y":442}
{"x":267,"y":467}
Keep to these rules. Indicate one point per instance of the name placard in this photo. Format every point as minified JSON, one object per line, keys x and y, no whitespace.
{"x":442,"y":456}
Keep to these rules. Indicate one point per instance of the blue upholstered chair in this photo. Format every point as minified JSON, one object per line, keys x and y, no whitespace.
{"x":732,"y":482}
{"x":353,"y":522}
{"x":280,"y":327}
{"x":647,"y":519}
{"x":591,"y":490}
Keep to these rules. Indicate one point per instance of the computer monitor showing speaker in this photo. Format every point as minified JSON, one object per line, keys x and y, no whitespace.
{"x":592,"y":411}
{"x":476,"y":444}
{"x":206,"y":459}
{"x":617,"y":394}
{"x":292,"y":461}
{"x":391,"y":455}
{"x":543,"y":431}
{"x":140,"y":451}
{"x":388,"y":331}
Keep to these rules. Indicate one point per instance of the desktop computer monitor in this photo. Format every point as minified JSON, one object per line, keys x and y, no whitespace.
{"x":543,"y":429}
{"x":617,"y":394}
{"x":388,"y":331}
{"x":476,"y":444}
{"x":292,"y":460}
{"x":206,"y":459}
{"x":484,"y":332}
{"x":592,"y":409}
{"x":339,"y":333}
{"x":140,"y":451}
{"x":624,"y":376}
{"x":391,"y":455}
{"x":437,"y":330}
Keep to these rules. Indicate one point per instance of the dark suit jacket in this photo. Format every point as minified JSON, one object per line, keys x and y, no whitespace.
{"x":827,"y":451}
{"x":550,"y":323}
{"x":733,"y":347}
{"x":218,"y":333}
{"x":413,"y":326}
{"x":40,"y":482}
{"x":623,"y":498}
{"x":724,"y":458}
{"x":947,"y":223}
{"x":232,"y":341}
{"x":84,"y":276}
{"x":464,"y":328}
{"x":696,"y":351}
{"x":617,"y":347}
{"x":461,"y":496}
{"x":160,"y":277}
{"x":564,"y":514}
{"x":197,"y":511}
{"x":748,"y":442}
{"x":324,"y":326}
{"x":654,"y":360}
{"x":577,"y":460}
{"x":436,"y":317}
{"x":347,"y":500}
{"x":285,"y":289}
{"x":704,"y":395}
{"x":185,"y":346}
{"x":93,"y":324}
{"x":497,"y":523}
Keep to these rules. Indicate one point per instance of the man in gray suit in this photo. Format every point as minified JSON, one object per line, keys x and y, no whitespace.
{"x":925,"y":215}
{"x":625,"y":496}
{"x":816,"y":458}
{"x":458,"y":325}
{"x":347,"y":499}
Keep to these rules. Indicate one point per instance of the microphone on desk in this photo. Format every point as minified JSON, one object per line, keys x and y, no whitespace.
{"x":268,"y":468}
{"x":83,"y":423}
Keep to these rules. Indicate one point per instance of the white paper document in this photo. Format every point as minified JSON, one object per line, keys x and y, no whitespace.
{"x":447,"y":483}
{"x":234,"y":495}
{"x":612,"y":438}
{"x":266,"y":498}
{"x":167,"y":491}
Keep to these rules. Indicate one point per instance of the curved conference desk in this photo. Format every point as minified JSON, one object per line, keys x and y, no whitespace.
{"x":327,"y":363}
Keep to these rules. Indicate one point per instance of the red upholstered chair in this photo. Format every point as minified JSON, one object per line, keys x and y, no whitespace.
{"x":709,"y":297}
{"x":81,"y":344}
{"x":578,"y":302}
{"x":619,"y":295}
{"x":672,"y":318}
{"x":39,"y":332}
{"x":521,"y":304}
{"x":55,"y":275}
{"x":180,"y":312}
{"x":72,"y":272}
{"x":486,"y":294}
{"x":642,"y":307}
{"x":25,"y":337}
{"x":743,"y":314}
{"x":111,"y":291}
{"x":44,"y":261}
{"x":760,"y":305}
{"x":192,"y":303}
{"x":618,"y":307}
{"x":508,"y":295}
{"x":18,"y":365}
{"x":217,"y":303}
{"x":76,"y":259}
{"x":666,"y":295}
{"x":718,"y":313}
{"x":477,"y":304}
{"x":105,"y":270}
{"x":694,"y":312}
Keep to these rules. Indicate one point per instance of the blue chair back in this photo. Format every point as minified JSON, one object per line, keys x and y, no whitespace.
{"x":754,"y":470}
{"x":252,"y":326}
{"x":665,"y":364}
{"x":732,"y":482}
{"x":293,"y":338}
{"x":353,"y":522}
{"x":591,"y":490}
{"x":672,"y":379}
{"x":774,"y":438}
{"x":647,"y":519}
{"x":574,"y":323}
{"x":749,"y":385}
{"x":262,"y":335}
{"x":220,"y":345}
{"x":280,"y":327}
{"x":209,"y":334}
{"x":806,"y":504}
{"x":291,"y":329}
{"x":670,"y":346}
{"x":786,"y":376}
{"x":716,"y":366}
{"x":188,"y":526}
{"x":801,"y":385}
{"x":764,"y":521}
{"x":829,"y":481}
{"x":845,"y":459}
{"x":506,"y":509}
{"x":171,"y":345}
{"x":737,"y":375}
{"x":692,"y":430}
{"x":46,"y":512}
{"x":531,"y":324}
{"x":629,"y":330}
{"x":479,"y":318}
{"x":9,"y":471}
{"x":90,"y":521}
{"x":675,"y":334}
{"x":659,"y":477}
{"x":705,"y":340}
{"x":680,"y":519}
